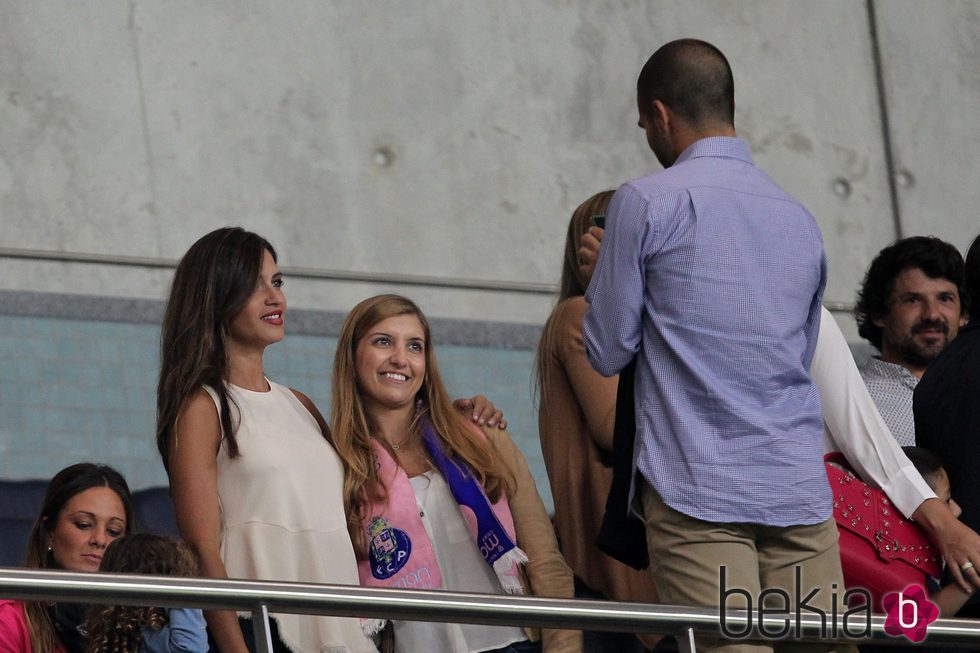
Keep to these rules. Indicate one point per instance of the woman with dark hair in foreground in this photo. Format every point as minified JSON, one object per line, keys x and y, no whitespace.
{"x":86,"y":506}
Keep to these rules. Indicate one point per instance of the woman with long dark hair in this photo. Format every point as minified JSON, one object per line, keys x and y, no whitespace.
{"x":434,"y":502}
{"x":86,"y":506}
{"x":251,"y":469}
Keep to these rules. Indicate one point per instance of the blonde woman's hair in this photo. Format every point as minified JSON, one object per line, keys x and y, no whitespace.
{"x":573,"y":284}
{"x":353,"y":431}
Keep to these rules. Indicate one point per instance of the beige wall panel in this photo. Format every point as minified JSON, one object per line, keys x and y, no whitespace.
{"x":73,"y":162}
{"x":446,"y":138}
{"x":932,"y":81}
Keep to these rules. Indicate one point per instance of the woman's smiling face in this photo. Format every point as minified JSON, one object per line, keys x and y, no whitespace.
{"x":390,"y":360}
{"x":261,"y":321}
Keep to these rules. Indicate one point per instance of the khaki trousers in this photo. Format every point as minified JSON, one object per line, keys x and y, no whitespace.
{"x":688,"y":557}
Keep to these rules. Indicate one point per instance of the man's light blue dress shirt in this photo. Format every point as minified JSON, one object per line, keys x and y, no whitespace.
{"x":714,"y":276}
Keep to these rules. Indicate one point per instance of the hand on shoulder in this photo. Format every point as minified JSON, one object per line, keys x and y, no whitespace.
{"x":481,"y":411}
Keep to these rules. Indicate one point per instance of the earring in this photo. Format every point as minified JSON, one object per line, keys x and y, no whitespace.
{"x":49,"y":547}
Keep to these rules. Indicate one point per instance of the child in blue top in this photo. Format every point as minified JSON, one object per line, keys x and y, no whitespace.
{"x":133,"y":629}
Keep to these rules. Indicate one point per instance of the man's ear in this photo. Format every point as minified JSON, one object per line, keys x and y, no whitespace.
{"x":649,"y":109}
{"x":661,"y":114}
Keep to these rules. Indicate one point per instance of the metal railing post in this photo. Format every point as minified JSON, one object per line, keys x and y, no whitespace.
{"x":261,"y":628}
{"x":685,"y":641}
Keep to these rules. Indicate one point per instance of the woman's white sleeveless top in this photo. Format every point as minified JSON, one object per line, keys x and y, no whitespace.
{"x":282,"y":512}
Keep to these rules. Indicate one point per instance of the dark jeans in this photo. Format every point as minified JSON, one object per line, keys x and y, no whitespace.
{"x":519,"y":647}
{"x":277,"y":644}
{"x":596,"y":641}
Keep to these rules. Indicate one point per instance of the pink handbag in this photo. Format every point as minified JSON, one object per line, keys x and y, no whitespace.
{"x":881,"y":551}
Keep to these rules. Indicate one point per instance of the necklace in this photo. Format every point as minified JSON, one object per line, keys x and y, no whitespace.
{"x":407,"y":442}
{"x":403,"y":444}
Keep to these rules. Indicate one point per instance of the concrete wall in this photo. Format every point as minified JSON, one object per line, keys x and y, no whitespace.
{"x":449,"y":139}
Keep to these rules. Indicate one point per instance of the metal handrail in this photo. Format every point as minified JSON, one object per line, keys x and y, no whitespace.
{"x":345,"y":600}
{"x":320,"y":274}
{"x":297,"y":272}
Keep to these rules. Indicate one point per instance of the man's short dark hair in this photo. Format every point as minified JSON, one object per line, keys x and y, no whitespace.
{"x":936,"y":258}
{"x":924,"y":461}
{"x":693,"y":78}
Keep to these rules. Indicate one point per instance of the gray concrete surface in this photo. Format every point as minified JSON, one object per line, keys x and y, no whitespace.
{"x":449,"y":138}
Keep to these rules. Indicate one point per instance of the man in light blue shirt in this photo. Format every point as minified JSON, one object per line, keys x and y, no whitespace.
{"x":712,"y":277}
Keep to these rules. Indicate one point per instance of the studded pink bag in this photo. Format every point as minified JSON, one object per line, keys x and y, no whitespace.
{"x":881,"y":551}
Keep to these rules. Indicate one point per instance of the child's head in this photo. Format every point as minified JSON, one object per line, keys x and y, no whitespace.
{"x":932,"y":471}
{"x":119,"y":627}
{"x":144,"y":553}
